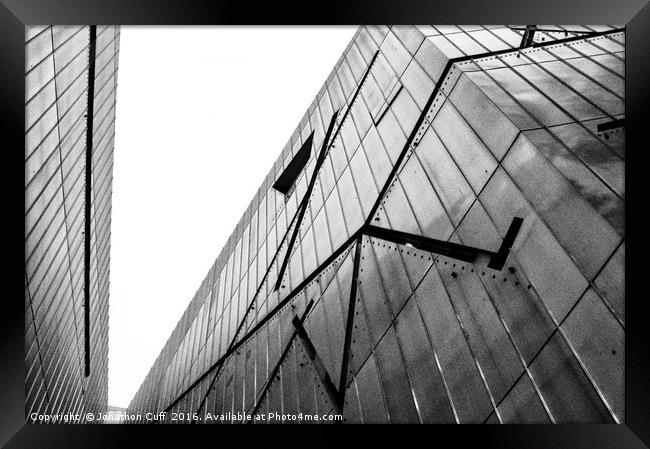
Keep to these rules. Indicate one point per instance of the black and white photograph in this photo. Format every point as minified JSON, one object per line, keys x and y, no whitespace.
{"x":329,"y":224}
{"x":440,"y":238}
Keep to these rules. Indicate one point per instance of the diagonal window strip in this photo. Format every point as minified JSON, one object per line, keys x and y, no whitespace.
{"x":275,"y":371}
{"x":350,"y":321}
{"x":319,"y":366}
{"x":528,"y":37}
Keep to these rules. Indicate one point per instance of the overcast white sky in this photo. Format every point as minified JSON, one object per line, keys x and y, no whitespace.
{"x":202,"y":114}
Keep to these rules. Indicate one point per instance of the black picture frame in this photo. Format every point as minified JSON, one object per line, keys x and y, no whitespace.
{"x":633,"y":14}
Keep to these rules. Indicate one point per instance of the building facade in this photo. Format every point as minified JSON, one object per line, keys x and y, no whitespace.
{"x":440,"y":241}
{"x":70,"y":84}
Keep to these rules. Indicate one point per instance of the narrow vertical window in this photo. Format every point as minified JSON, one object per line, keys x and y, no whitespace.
{"x":88,"y":192}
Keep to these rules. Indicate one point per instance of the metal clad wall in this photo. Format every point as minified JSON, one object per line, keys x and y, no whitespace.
{"x":56,"y":94}
{"x":434,"y":339}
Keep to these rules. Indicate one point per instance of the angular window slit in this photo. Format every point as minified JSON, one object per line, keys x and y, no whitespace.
{"x":321,"y":371}
{"x":528,"y":37}
{"x":606,"y":126}
{"x":454,"y":250}
{"x":391,"y":94}
{"x":286,"y":181}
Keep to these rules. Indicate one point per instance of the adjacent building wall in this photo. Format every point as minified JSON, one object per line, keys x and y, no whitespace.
{"x":58,"y":75}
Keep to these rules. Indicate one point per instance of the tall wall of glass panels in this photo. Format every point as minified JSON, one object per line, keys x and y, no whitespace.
{"x":56,"y":136}
{"x":442,"y":133}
